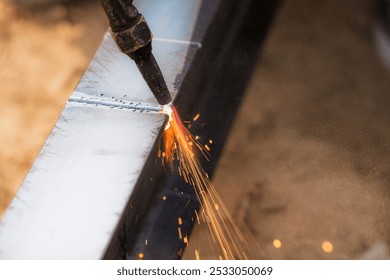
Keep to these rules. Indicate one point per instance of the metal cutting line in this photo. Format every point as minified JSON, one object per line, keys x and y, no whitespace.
{"x":176,"y":41}
{"x":120,"y":104}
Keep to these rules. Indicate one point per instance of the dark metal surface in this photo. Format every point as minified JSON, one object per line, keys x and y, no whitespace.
{"x":213,"y":87}
{"x":134,"y":38}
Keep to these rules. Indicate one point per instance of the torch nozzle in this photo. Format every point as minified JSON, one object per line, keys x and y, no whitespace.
{"x":134,"y":38}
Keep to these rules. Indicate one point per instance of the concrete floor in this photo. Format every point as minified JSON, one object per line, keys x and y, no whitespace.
{"x":308,"y":159}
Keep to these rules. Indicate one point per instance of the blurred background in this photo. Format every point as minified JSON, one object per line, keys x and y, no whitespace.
{"x":44,"y":50}
{"x":307,"y":164}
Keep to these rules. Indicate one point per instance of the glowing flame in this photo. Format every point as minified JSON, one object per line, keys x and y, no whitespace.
{"x":167,"y":110}
{"x":179,"y":144}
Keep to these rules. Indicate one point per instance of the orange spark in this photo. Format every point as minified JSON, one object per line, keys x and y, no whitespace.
{"x":179,"y":233}
{"x":196,"y":117}
{"x":197,"y":257}
{"x":327,"y":247}
{"x":180,"y":145}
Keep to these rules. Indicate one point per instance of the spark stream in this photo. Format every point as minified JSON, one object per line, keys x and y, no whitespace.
{"x":157,"y":271}
{"x":181,"y":146}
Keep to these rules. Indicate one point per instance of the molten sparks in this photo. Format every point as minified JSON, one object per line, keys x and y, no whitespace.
{"x":197,"y":257}
{"x":181,"y":146}
{"x":277,"y":243}
{"x":179,"y":233}
{"x":196,"y":117}
{"x":327,"y":247}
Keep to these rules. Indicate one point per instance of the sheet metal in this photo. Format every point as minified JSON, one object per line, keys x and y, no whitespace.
{"x":73,"y":198}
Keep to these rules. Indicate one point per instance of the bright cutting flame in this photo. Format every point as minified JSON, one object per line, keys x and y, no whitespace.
{"x":179,"y":144}
{"x":167,"y":110}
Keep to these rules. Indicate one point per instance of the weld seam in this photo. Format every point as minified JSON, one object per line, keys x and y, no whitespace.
{"x":140,"y":107}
